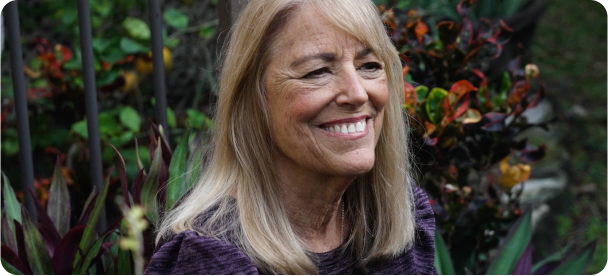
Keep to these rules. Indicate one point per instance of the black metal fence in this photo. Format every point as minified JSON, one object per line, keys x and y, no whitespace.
{"x":227,"y":9}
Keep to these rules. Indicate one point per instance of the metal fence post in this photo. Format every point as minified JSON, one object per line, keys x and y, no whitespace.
{"x":90,"y":93}
{"x":228,"y":13}
{"x":23,"y":125}
{"x":160,"y":107}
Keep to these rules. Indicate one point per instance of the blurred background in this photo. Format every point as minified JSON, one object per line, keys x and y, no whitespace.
{"x":567,"y":42}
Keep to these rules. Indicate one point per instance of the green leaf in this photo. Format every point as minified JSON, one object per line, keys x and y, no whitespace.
{"x":89,"y":231}
{"x":577,"y":263}
{"x":80,"y":128}
{"x":107,"y":77}
{"x":514,"y":245}
{"x":100,"y":44}
{"x":58,"y":207}
{"x":505,"y":84}
{"x":131,"y":47}
{"x":197,"y":119}
{"x":124,"y":256}
{"x":206,"y":32}
{"x":11,"y":204}
{"x":10,"y":269}
{"x":91,"y":254}
{"x":443,"y":262}
{"x":136,"y":28}
{"x":553,"y":257}
{"x":421,"y":91}
{"x":171,"y":120}
{"x":176,"y":18}
{"x":130,"y":118}
{"x":433,"y":104}
{"x":176,"y":185}
{"x":108,"y":124}
{"x":37,"y":255}
{"x":150,"y":187}
{"x":196,"y":168}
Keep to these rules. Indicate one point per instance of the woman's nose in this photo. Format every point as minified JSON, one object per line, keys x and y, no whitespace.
{"x":352,"y":91}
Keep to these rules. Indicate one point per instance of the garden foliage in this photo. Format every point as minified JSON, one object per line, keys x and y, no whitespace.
{"x":50,"y":246}
{"x":467,"y":128}
{"x":466,"y":132}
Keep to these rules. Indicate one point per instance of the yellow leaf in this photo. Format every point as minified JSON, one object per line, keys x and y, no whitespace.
{"x":512,"y":175}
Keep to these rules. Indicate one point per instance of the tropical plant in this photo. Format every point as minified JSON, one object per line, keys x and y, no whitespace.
{"x":444,"y":9}
{"x":50,"y":246}
{"x":514,"y":257}
{"x":465,"y":127}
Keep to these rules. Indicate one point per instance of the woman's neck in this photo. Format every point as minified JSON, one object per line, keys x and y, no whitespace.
{"x":314,"y":205}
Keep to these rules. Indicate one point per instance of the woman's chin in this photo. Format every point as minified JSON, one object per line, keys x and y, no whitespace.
{"x":356,"y":167}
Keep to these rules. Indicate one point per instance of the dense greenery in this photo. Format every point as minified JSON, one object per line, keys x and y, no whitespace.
{"x":464,"y":128}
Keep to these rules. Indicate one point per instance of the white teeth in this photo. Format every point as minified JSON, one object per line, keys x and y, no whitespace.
{"x":351,"y":128}
{"x":360,"y":126}
{"x":344,"y":129}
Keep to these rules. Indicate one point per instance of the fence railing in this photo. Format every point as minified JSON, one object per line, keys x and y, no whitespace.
{"x":227,"y":12}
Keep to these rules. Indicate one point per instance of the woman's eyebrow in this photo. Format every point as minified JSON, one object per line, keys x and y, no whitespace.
{"x":324,"y":56}
{"x":363,"y":53}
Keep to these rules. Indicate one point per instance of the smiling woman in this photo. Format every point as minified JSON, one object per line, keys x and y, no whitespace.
{"x":310,"y":168}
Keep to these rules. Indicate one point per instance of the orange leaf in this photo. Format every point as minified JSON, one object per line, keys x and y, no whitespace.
{"x":420,"y":30}
{"x":411,"y":98}
{"x":430,"y":128}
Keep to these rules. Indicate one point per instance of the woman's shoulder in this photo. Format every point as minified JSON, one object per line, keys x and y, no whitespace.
{"x":425,"y":217}
{"x":189,"y":253}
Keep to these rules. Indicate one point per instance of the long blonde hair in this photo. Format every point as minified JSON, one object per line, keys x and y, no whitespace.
{"x":379,"y":203}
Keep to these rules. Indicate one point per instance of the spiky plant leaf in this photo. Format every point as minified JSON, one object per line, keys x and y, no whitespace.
{"x":515,"y":243}
{"x":37,"y":254}
{"x":150,"y":187}
{"x":177,"y":185}
{"x":443,"y":262}
{"x":58,"y":207}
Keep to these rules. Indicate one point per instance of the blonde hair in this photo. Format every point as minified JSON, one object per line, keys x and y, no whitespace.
{"x":379,"y":204}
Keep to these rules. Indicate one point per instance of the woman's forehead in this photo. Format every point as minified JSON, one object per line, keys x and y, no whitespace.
{"x":309,"y":32}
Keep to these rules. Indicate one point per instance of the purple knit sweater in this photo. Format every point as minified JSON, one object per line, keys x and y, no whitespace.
{"x":188,"y":253}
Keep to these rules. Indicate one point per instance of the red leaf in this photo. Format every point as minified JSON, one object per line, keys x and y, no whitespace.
{"x":4,"y":113}
{"x":164,"y":145}
{"x":65,"y":52}
{"x":411,"y":98}
{"x":461,"y":87}
{"x":464,"y":6}
{"x":540,"y":95}
{"x":524,"y":264}
{"x":10,"y":257}
{"x":21,"y":244}
{"x":67,"y":247}
{"x":137,"y":186}
{"x":43,"y":217}
{"x":50,"y":240}
{"x":124,"y":183}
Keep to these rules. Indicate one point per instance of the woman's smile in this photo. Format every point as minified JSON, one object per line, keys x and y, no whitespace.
{"x":348,"y":128}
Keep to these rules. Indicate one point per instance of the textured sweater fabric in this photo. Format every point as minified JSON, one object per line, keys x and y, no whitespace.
{"x":189,"y":253}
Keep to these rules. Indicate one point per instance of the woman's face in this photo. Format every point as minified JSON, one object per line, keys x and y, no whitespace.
{"x":326,"y":94}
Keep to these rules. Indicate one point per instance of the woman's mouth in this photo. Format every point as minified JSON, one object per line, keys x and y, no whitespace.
{"x":347,"y":127}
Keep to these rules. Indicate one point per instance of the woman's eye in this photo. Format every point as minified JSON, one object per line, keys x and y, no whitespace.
{"x":316,"y":73}
{"x":371,"y":66}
